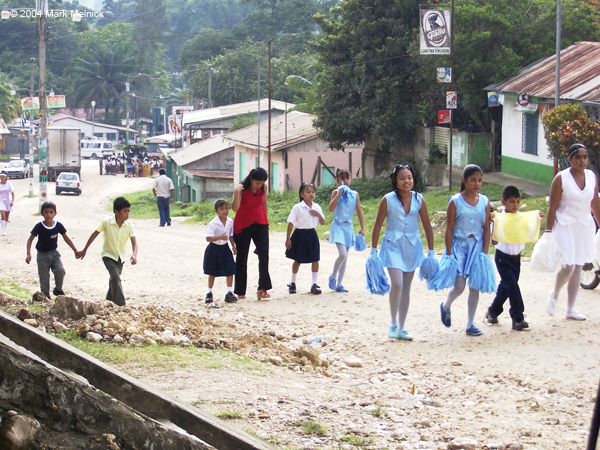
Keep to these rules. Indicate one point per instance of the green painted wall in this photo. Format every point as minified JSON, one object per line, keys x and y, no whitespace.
{"x":528,"y":170}
{"x":480,"y":151}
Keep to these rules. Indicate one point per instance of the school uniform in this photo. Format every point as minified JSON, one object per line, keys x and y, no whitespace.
{"x":218,"y":259}
{"x":342,"y":230}
{"x":401,"y":246}
{"x":305,"y":241}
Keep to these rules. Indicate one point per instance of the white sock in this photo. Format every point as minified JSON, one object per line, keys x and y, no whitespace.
{"x":315,"y":276}
{"x":229,"y":289}
{"x":3,"y":226}
{"x":294,"y":275}
{"x":209,"y":290}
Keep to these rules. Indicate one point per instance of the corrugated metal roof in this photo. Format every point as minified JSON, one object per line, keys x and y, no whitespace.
{"x":199,"y":150}
{"x":579,"y":75}
{"x":221,"y":112}
{"x":299,"y":128}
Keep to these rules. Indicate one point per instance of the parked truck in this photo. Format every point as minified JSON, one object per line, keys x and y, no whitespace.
{"x":64,"y":151}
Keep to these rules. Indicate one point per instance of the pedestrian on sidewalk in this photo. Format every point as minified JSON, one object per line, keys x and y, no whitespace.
{"x":163,"y":191}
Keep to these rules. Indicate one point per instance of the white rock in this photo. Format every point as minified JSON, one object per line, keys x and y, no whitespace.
{"x":94,"y":337}
{"x":136,"y":338}
{"x":59,"y":327}
{"x":353,"y":361}
{"x":463,"y":444}
{"x":118,"y":339}
{"x":31,"y":322}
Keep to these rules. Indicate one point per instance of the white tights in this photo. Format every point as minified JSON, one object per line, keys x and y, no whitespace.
{"x":472,"y":301}
{"x":569,"y":275}
{"x":339,"y":267}
{"x":399,"y":296}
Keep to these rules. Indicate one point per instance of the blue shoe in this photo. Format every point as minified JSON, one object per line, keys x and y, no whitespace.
{"x":403,"y":335}
{"x":446,"y":316}
{"x":393,"y":332}
{"x":341,"y":288}
{"x":332,"y":283}
{"x":474,"y":331}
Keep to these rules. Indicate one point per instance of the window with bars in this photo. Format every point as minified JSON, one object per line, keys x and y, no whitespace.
{"x":529,"y":136}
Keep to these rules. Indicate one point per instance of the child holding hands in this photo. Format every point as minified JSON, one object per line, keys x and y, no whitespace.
{"x":218,"y":259}
{"x":48,"y":258}
{"x":303,"y":245}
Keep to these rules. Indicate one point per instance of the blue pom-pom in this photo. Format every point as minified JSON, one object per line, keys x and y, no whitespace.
{"x":482,"y":277}
{"x":359,"y":243}
{"x":446,"y":275}
{"x":347,"y":196}
{"x":377,"y":282}
{"x":429,"y":267}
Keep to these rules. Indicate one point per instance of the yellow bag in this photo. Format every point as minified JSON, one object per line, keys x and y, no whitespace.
{"x":517,"y":228}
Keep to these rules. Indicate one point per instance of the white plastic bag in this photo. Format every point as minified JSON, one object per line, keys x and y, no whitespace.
{"x":547,"y":256}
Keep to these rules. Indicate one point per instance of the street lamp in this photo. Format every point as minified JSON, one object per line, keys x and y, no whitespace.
{"x":130,"y":77}
{"x":211,"y":70}
{"x":93,"y":119}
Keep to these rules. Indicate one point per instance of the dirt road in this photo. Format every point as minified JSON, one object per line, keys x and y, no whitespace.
{"x":534,"y":388}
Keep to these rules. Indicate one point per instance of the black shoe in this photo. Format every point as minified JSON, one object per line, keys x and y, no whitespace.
{"x":169,"y":223}
{"x":230,"y":298}
{"x":209,"y":298}
{"x":56,"y":291}
{"x":519,"y":324}
{"x":292,"y":287}
{"x":491,"y":318}
{"x":315,"y":289}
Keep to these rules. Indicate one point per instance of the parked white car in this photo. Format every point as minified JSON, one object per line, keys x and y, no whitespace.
{"x":68,"y":182}
{"x":17,"y":168}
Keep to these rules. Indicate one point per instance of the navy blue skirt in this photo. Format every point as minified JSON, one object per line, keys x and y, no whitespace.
{"x":218,"y":261}
{"x":305,"y":246}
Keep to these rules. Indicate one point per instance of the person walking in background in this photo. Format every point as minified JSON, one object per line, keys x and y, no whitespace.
{"x":48,"y":258}
{"x":117,"y":230}
{"x":344,"y":202}
{"x":573,"y":194}
{"x":218,"y":258}
{"x":303,"y":246}
{"x":163,"y":191}
{"x":7,"y":200}
{"x":251,"y":224}
{"x":401,"y":247}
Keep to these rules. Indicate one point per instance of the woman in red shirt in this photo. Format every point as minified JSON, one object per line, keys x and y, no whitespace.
{"x":251,"y":223}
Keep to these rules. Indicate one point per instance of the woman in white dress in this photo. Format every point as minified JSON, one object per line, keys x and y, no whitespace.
{"x":573,"y":194}
{"x":7,"y":200}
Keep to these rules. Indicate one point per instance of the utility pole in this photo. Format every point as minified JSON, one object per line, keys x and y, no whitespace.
{"x":558,"y":45}
{"x":43,"y":141}
{"x":31,"y":132}
{"x":452,"y":89}
{"x":258,"y":114}
{"x":269,"y":122}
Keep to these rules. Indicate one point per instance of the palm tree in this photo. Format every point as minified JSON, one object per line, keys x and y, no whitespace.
{"x":9,"y":104}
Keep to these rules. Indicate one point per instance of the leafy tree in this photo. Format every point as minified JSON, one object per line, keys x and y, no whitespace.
{"x":9,"y":104}
{"x":242,"y":121}
{"x":207,"y":44}
{"x":366,"y":85}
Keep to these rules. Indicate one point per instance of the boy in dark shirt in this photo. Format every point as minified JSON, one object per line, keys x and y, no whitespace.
{"x":48,"y":257}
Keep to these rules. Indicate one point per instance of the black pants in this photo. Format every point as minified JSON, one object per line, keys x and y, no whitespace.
{"x":259,"y":234}
{"x":509,"y":268}
{"x":115,"y":289}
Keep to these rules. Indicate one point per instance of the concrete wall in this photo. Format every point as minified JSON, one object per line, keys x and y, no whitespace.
{"x":250,"y":159}
{"x":514,"y":161}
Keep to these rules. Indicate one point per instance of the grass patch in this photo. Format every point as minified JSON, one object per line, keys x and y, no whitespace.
{"x":229,"y":414}
{"x":312,"y":427}
{"x":356,"y":440}
{"x":378,"y":411}
{"x":163,"y":356}
{"x":11,"y":288}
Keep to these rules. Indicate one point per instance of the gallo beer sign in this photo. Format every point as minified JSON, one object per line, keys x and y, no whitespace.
{"x":435,"y":32}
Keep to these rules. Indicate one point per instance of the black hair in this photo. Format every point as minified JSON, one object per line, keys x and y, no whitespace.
{"x":120,"y":203}
{"x":394,"y":176}
{"x":342,"y":174}
{"x":47,"y":205}
{"x":162,"y":172}
{"x":258,"y":174}
{"x":303,"y":187}
{"x":470,"y":170}
{"x":220,"y":202}
{"x":511,"y":192}
{"x":576,"y":147}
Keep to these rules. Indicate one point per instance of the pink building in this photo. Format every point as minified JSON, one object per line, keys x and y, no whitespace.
{"x":297,"y":153}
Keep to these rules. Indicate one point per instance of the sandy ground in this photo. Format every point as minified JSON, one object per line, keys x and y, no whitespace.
{"x":534,"y":388}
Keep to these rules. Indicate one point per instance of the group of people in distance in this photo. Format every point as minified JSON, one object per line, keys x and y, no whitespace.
{"x":573,"y":194}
